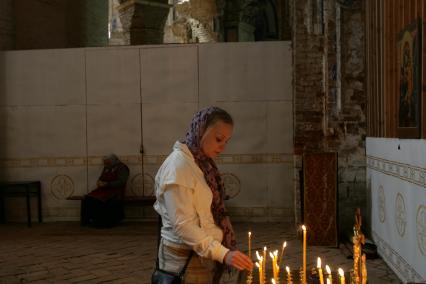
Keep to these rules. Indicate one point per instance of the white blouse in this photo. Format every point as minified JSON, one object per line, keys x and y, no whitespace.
{"x":183,"y":200}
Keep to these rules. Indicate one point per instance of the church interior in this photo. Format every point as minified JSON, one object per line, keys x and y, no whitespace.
{"x":327,"y":153}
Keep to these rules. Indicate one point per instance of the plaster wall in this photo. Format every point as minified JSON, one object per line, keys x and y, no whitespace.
{"x":63,"y":109}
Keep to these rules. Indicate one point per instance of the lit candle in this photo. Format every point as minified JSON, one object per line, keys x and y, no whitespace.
{"x":249,"y":245}
{"x":289,"y":281}
{"x":329,"y":276}
{"x":321,"y":278}
{"x":278,"y":273}
{"x":259,"y":266}
{"x":341,"y":276}
{"x":304,"y":254}
{"x":282,"y":253}
{"x":274,"y":272}
{"x":264,"y":264}
{"x":273,"y":281}
{"x":275,"y":267}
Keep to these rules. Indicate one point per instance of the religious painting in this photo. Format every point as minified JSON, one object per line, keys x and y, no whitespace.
{"x":409,"y":72}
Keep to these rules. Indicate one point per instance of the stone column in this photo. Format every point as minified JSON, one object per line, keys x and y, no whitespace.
{"x":142,"y":21}
{"x":7,"y":25}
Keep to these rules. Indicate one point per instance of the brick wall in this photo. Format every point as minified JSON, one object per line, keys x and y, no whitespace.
{"x":7,"y":25}
{"x":330,"y":98}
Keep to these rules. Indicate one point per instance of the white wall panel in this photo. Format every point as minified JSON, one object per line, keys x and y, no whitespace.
{"x":113,"y":76}
{"x":169,"y":74}
{"x":43,"y":77}
{"x":43,"y":131}
{"x":65,"y":109}
{"x":245,"y":72}
{"x":113,"y":129}
{"x":163,"y":124}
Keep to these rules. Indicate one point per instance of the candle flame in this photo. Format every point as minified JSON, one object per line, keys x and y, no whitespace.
{"x":284,"y":244}
{"x":257,"y":264}
{"x":257,"y":254}
{"x":319,"y":262}
{"x":303,"y":228}
{"x":287,"y":269}
{"x":273,"y":281}
{"x":276,"y":252}
{"x":328,"y":281}
{"x":271,"y":255}
{"x":341,"y":272}
{"x":249,"y":233}
{"x":264,"y":248}
{"x":328,"y":269}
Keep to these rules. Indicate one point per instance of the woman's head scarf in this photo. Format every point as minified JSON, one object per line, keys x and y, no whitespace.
{"x":211,"y":173}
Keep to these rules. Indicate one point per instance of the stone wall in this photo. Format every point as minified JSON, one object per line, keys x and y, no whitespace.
{"x":330,"y":100}
{"x":56,"y":23}
{"x":7,"y":25}
{"x":43,"y":24}
{"x":95,"y":19}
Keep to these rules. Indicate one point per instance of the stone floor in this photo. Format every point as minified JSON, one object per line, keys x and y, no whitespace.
{"x":64,"y":252}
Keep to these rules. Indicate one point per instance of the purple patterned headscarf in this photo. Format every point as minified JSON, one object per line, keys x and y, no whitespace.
{"x":211,"y":173}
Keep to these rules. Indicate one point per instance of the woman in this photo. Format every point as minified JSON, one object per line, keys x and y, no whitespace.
{"x":190,"y":194}
{"x":102,"y":207}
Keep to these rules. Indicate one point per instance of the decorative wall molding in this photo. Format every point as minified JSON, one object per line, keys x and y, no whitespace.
{"x":395,"y":261}
{"x":406,"y":172}
{"x":42,"y":162}
{"x":62,"y":187}
{"x":421,"y":228}
{"x":382,"y":204}
{"x":232,"y":184}
{"x":400,"y":214}
{"x":142,"y":185}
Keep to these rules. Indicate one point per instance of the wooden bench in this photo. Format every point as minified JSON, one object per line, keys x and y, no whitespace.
{"x":21,"y":189}
{"x":127,"y":200}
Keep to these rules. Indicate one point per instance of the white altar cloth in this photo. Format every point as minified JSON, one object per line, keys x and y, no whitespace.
{"x":396,"y":171}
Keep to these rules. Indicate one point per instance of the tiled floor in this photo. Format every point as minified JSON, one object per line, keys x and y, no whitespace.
{"x":67,"y":253}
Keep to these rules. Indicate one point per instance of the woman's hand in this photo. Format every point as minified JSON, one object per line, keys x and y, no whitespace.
{"x":238,"y":260}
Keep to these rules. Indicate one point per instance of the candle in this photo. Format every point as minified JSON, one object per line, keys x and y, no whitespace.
{"x":260,"y":272}
{"x":273,"y":281}
{"x":260,"y":266}
{"x":364,"y":269}
{"x":275,"y":267}
{"x":282,"y":253}
{"x":329,"y":276}
{"x":249,"y":245}
{"x":274,"y":272}
{"x":264,"y":264}
{"x":321,"y":278}
{"x":278,"y":272}
{"x":341,"y":276}
{"x":304,"y":254}
{"x":289,"y":281}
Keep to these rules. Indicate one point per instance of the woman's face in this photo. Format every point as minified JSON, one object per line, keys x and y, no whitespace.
{"x":215,"y":138}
